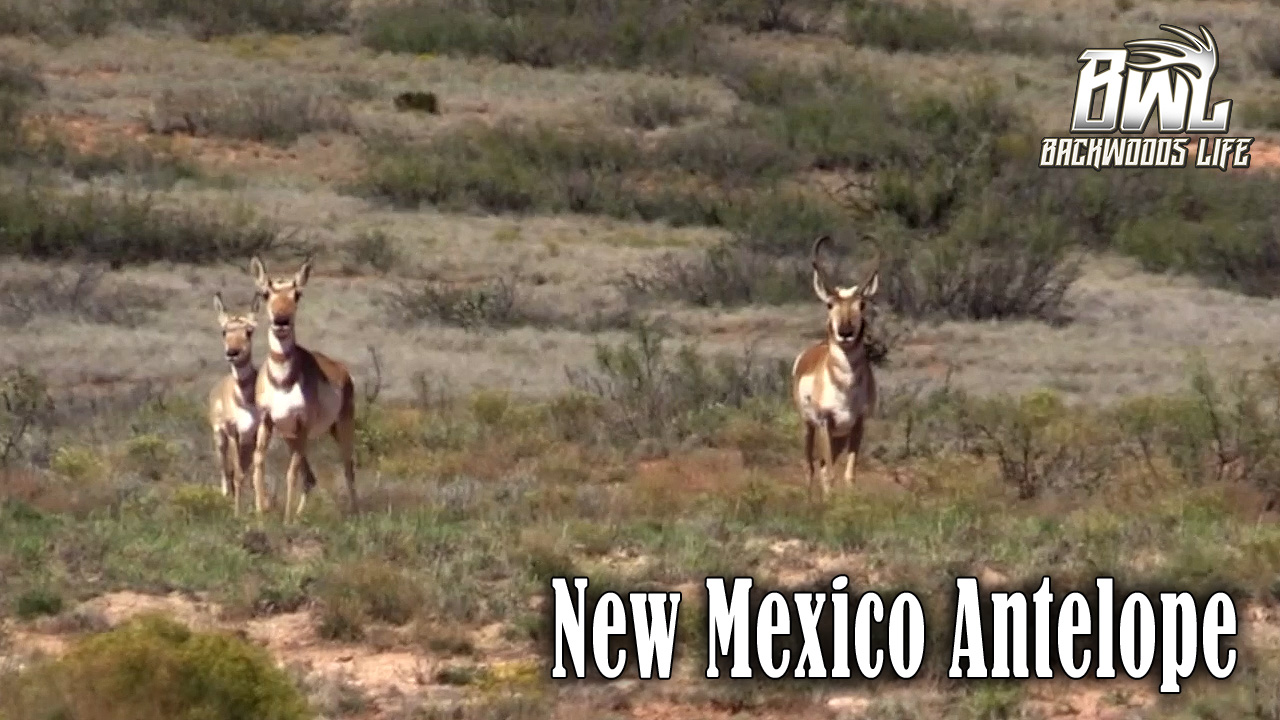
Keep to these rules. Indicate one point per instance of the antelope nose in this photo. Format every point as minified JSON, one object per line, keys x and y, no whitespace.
{"x":232,"y":354}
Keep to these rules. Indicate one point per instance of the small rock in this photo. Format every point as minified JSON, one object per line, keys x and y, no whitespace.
{"x":987,"y":578}
{"x":848,"y":705}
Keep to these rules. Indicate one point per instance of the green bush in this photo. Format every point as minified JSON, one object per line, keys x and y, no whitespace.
{"x":19,"y":84}
{"x":796,"y":16}
{"x":36,"y":602}
{"x":929,"y":27}
{"x":649,"y":108}
{"x":934,"y":26}
{"x":650,"y":393}
{"x":122,"y":229}
{"x":267,"y":112}
{"x":724,"y":275}
{"x":502,"y":169}
{"x":991,"y":264}
{"x":496,"y":304}
{"x":155,"y":669}
{"x":57,"y":19}
{"x":352,"y":594}
{"x":1218,"y":226}
{"x":727,"y":155}
{"x":1266,"y":53}
{"x":626,"y":34}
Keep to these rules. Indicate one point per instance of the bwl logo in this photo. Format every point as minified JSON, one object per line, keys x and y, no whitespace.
{"x":1171,"y":80}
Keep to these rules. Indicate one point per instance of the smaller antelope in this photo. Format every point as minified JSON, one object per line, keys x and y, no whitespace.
{"x":832,"y":382}
{"x":233,"y":414}
{"x":302,"y":393}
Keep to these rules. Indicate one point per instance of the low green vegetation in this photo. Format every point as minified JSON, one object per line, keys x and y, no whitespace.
{"x":153,"y":668}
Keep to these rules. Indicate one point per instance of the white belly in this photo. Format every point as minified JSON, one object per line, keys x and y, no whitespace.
{"x":839,"y":408}
{"x":246,"y":421}
{"x":287,"y":407}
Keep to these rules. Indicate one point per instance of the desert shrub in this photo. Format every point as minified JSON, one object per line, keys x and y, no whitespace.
{"x":19,"y":83}
{"x":502,"y":169}
{"x":1266,"y":52}
{"x":925,"y":420}
{"x":784,"y":223}
{"x":796,"y":16}
{"x":153,"y":668}
{"x":77,"y":293}
{"x":1219,"y":226}
{"x":151,"y":456}
{"x":60,"y":18}
{"x":650,"y":393}
{"x":353,"y":594}
{"x":628,"y":33}
{"x":725,"y":275}
{"x":991,"y":264}
{"x":650,"y":107}
{"x":929,"y":27}
{"x":26,"y":416}
{"x":838,"y":118}
{"x":276,"y":113}
{"x":37,"y":602}
{"x":358,"y":87}
{"x":123,"y":229}
{"x":731,"y":154}
{"x":19,"y":78}
{"x":1219,"y":428}
{"x":496,"y":304}
{"x":1264,"y":114}
{"x":78,"y":464}
{"x":935,"y":26}
{"x":375,"y":249}
{"x":199,"y":503}
{"x":1039,"y":444}
{"x":139,"y":162}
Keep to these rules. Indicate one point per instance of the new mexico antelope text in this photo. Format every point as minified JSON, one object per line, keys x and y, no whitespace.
{"x":834,"y":632}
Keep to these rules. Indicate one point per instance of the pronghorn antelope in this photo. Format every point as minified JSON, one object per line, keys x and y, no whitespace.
{"x":832,"y":382}
{"x":233,"y":415}
{"x":233,"y":411}
{"x":302,"y":393}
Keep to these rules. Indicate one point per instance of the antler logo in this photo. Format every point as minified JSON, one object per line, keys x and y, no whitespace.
{"x":1153,"y":76}
{"x":1176,"y":80}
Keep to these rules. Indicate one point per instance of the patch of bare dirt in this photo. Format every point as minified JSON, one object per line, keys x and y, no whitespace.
{"x":1263,"y":154}
{"x":400,"y":678}
{"x":323,"y":157}
{"x":1089,"y":702}
{"x":389,"y":679}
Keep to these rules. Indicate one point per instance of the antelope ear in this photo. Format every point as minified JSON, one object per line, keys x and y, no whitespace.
{"x":820,"y":286}
{"x":219,"y":308}
{"x":259,"y":272}
{"x":872,"y":285}
{"x":303,"y":273}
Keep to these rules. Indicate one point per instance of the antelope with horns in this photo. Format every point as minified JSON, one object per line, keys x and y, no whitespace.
{"x":302,"y":393}
{"x":832,"y":382}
